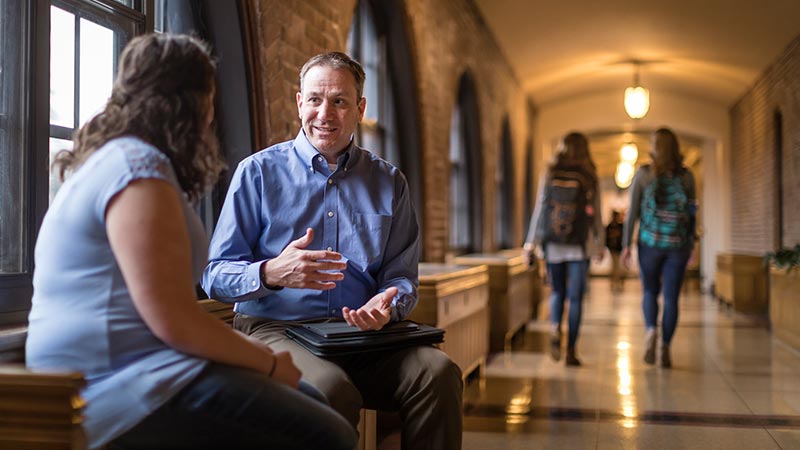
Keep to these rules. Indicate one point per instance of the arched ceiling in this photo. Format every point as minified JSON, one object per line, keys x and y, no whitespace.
{"x":710,"y":50}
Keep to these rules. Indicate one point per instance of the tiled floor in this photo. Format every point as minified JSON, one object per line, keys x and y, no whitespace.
{"x":732,"y":386}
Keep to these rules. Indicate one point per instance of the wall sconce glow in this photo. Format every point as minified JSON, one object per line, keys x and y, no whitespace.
{"x":629,"y":152}
{"x":624,"y":175}
{"x":637,"y":102}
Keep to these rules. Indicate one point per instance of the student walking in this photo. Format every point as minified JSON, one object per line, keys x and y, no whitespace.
{"x":614,"y":231}
{"x":663,"y":199}
{"x":565,"y":217}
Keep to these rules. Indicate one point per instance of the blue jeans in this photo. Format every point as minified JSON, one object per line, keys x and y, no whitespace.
{"x":662,"y":270}
{"x":568,"y":281}
{"x":228,"y":407}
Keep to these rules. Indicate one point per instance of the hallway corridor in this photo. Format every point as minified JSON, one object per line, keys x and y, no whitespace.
{"x":732,"y":386}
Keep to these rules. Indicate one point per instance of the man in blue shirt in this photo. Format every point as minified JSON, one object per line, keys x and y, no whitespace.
{"x":318,"y":229}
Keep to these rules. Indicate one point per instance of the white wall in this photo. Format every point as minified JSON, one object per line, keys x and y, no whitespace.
{"x":708,"y":121}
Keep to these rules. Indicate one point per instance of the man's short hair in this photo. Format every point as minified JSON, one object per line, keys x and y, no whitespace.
{"x":338,"y":61}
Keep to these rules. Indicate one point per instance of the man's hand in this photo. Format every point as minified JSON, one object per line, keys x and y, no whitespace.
{"x":297,"y":267}
{"x":374,"y":314}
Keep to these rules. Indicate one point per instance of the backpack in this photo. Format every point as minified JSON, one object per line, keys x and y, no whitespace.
{"x":665,"y":218}
{"x":566,"y":220}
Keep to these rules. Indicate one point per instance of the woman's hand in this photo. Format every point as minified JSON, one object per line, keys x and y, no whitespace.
{"x":285,"y":371}
{"x":626,"y":257}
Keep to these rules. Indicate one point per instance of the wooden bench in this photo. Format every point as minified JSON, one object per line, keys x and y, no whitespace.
{"x":456,"y":299}
{"x":741,"y":282}
{"x":535,"y":286}
{"x":40,"y":411}
{"x":509,"y":295}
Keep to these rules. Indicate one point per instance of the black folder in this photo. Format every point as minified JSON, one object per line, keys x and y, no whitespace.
{"x":338,"y":338}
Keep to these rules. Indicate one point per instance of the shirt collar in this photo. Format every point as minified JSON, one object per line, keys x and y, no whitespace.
{"x":308,"y":152}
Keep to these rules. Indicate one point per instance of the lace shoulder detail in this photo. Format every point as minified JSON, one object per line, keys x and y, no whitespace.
{"x":146,"y":161}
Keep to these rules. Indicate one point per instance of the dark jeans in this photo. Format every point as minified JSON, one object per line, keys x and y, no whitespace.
{"x":568,"y":280}
{"x":662,"y":270}
{"x":234,"y":408}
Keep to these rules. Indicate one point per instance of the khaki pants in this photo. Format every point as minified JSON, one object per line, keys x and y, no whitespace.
{"x":421,"y":383}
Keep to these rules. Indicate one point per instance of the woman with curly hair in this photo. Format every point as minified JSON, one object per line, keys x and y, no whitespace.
{"x":663,"y":200}
{"x":117,"y":259}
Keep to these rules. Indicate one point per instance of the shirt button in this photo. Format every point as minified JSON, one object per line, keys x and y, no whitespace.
{"x":319,"y":158}
{"x":330,"y":181}
{"x":330,"y":249}
{"x":253,"y":283}
{"x":333,"y":311}
{"x":330,"y":213}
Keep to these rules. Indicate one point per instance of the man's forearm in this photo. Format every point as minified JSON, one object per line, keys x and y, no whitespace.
{"x":234,"y":281}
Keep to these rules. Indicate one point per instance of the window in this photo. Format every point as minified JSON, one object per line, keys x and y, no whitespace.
{"x":504,"y":191}
{"x":466,"y":180}
{"x":378,"y":40}
{"x":460,"y":224}
{"x":777,"y":127}
{"x":85,"y":43}
{"x":377,"y":131}
{"x":221,"y":25}
{"x":530,"y":200}
{"x":75,"y":65}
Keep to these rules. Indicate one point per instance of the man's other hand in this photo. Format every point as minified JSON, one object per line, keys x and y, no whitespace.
{"x":374,"y":314}
{"x":297,"y":267}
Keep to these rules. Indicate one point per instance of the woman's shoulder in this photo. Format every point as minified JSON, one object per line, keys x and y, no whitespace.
{"x":135,"y":158}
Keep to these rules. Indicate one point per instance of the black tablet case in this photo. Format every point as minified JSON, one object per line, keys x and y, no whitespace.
{"x":339,"y":338}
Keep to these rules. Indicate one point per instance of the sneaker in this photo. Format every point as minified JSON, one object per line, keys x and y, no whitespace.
{"x":571,"y":359}
{"x":555,"y":346}
{"x":666,"y":360}
{"x":650,"y":347}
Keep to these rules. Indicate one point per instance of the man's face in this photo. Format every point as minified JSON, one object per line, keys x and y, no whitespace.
{"x":329,"y":109}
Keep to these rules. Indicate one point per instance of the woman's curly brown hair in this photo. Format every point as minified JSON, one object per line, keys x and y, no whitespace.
{"x":163,"y":94}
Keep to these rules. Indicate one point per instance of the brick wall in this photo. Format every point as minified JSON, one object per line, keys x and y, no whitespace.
{"x":451,"y":38}
{"x":285,"y":34}
{"x":754,"y":165}
{"x":447,"y":39}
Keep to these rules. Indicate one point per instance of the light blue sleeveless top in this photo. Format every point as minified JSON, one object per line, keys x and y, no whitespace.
{"x":83,"y":317}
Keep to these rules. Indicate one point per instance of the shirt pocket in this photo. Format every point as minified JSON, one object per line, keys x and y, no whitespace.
{"x":363,"y":245}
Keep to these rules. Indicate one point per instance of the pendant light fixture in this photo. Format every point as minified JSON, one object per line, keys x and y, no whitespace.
{"x":637,"y":98}
{"x":623,"y":176}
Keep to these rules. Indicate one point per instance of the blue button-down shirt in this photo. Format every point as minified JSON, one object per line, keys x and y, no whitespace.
{"x":361,"y":210}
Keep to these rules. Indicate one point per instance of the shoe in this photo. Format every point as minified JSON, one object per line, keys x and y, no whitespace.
{"x":666,"y":360}
{"x":571,"y":359}
{"x":555,"y":346}
{"x":650,"y":347}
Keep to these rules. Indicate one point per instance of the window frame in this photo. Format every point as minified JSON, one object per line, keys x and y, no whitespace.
{"x":397,"y":83}
{"x":468,"y":129}
{"x":529,"y":188}
{"x":504,"y":196}
{"x":109,"y":14}
{"x":16,"y":289}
